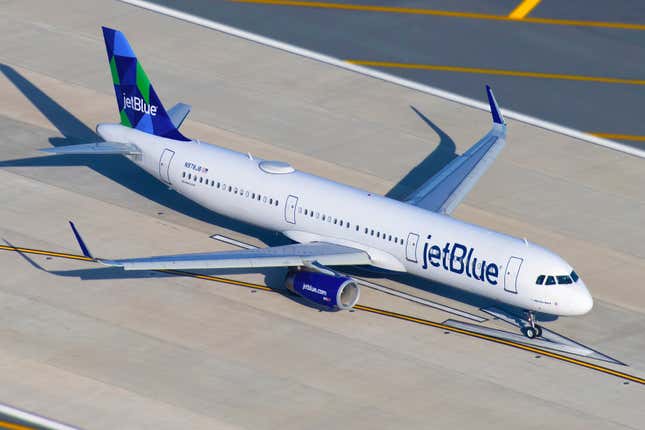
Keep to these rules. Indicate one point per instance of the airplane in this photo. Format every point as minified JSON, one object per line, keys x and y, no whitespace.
{"x":331,"y":224}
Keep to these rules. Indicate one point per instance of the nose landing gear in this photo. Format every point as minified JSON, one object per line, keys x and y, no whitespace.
{"x":533,"y":330}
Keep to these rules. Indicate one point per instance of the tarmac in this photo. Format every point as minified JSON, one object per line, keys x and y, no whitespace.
{"x":459,"y":52}
{"x":99,"y":348}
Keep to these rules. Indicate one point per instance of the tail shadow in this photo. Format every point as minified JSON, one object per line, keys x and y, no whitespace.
{"x":113,"y":167}
{"x":443,"y":154}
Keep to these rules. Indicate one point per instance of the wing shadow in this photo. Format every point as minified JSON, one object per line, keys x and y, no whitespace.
{"x":443,"y":154}
{"x":114,"y":167}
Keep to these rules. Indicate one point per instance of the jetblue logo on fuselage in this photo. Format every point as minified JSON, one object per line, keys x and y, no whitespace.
{"x":459,"y":259}
{"x":139,"y":104}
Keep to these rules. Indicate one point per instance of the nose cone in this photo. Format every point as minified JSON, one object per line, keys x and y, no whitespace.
{"x":582,"y":301}
{"x":585,"y":302}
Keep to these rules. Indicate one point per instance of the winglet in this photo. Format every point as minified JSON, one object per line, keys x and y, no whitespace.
{"x":494,"y":109}
{"x":79,"y":239}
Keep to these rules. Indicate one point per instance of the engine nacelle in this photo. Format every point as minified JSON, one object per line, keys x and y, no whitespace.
{"x":334,"y":292}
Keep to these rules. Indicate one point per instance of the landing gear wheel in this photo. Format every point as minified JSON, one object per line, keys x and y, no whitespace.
{"x":538,"y":329}
{"x":530,"y":332}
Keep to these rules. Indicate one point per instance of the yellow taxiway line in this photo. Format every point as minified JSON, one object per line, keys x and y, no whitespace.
{"x":435,"y":12}
{"x":369,"y":309}
{"x":524,"y":9}
{"x":458,"y":69}
{"x":613,"y":136}
{"x":13,"y":426}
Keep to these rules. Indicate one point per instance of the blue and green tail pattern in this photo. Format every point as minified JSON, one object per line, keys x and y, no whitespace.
{"x":139,"y":105}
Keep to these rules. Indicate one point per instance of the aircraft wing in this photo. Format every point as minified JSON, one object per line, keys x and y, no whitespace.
{"x":446,"y":189}
{"x":305,"y":254}
{"x":326,"y":254}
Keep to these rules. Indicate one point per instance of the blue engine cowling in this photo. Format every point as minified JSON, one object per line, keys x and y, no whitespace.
{"x":334,"y":292}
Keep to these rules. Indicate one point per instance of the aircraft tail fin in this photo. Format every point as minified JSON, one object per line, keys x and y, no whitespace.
{"x":139,"y":105}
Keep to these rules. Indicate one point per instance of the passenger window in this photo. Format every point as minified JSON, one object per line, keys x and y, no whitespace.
{"x":323,"y":217}
{"x":230,"y":188}
{"x":378,"y":234}
{"x":389,"y":238}
{"x":335,"y":220}
{"x":564,"y":279}
{"x":270,"y":201}
{"x":540,"y":280}
{"x":341,"y":223}
{"x":276,"y":203}
{"x":306,"y":212}
{"x":246,"y":195}
{"x":212,"y":183}
{"x":550,"y":280}
{"x":253,"y":196}
{"x":218,"y":185}
{"x":357,"y":228}
{"x":183,"y":174}
{"x":574,"y":276}
{"x":189,"y":176}
{"x":311,"y":214}
{"x":366,"y":230}
{"x":201,"y":179}
{"x":371,"y":232}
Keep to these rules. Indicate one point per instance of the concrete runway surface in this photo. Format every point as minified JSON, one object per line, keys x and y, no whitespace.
{"x":99,"y":348}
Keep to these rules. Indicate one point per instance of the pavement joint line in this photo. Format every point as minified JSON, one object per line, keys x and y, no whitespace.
{"x":386,"y":77}
{"x":368,"y":309}
{"x":523,"y":9}
{"x":502,"y":72}
{"x":445,"y":13}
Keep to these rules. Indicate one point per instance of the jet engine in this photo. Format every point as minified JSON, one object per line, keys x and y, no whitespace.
{"x":334,"y":292}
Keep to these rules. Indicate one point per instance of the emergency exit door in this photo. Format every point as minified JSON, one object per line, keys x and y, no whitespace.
{"x":164,"y":165}
{"x":511,"y":273}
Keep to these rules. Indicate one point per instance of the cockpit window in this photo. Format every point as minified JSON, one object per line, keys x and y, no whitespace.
{"x":574,"y":276}
{"x":550,"y":280}
{"x":564,"y":279}
{"x":540,"y":280}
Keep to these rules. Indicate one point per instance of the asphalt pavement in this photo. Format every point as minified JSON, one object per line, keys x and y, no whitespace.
{"x":603,"y":92}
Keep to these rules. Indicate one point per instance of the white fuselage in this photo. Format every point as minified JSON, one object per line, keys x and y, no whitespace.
{"x":397,"y":236}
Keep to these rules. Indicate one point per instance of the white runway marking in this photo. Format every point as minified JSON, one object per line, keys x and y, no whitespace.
{"x":382,"y":76}
{"x":31,"y":419}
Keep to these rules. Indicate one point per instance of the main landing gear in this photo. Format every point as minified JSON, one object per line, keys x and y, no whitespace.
{"x":533,"y":330}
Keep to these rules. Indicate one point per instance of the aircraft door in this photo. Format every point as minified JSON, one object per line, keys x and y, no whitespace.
{"x":512,"y":271}
{"x":290,"y":209}
{"x":164,"y":165}
{"x":411,"y":247}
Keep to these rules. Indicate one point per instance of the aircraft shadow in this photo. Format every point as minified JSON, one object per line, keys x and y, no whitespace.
{"x":443,"y":154}
{"x":438,"y":289}
{"x":115,"y":167}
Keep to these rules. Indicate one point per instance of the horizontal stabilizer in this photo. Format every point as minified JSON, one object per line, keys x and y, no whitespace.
{"x":178,"y":113}
{"x":98,"y":148}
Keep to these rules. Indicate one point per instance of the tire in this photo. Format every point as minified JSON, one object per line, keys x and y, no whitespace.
{"x":530,"y":332}
{"x":538,"y":331}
